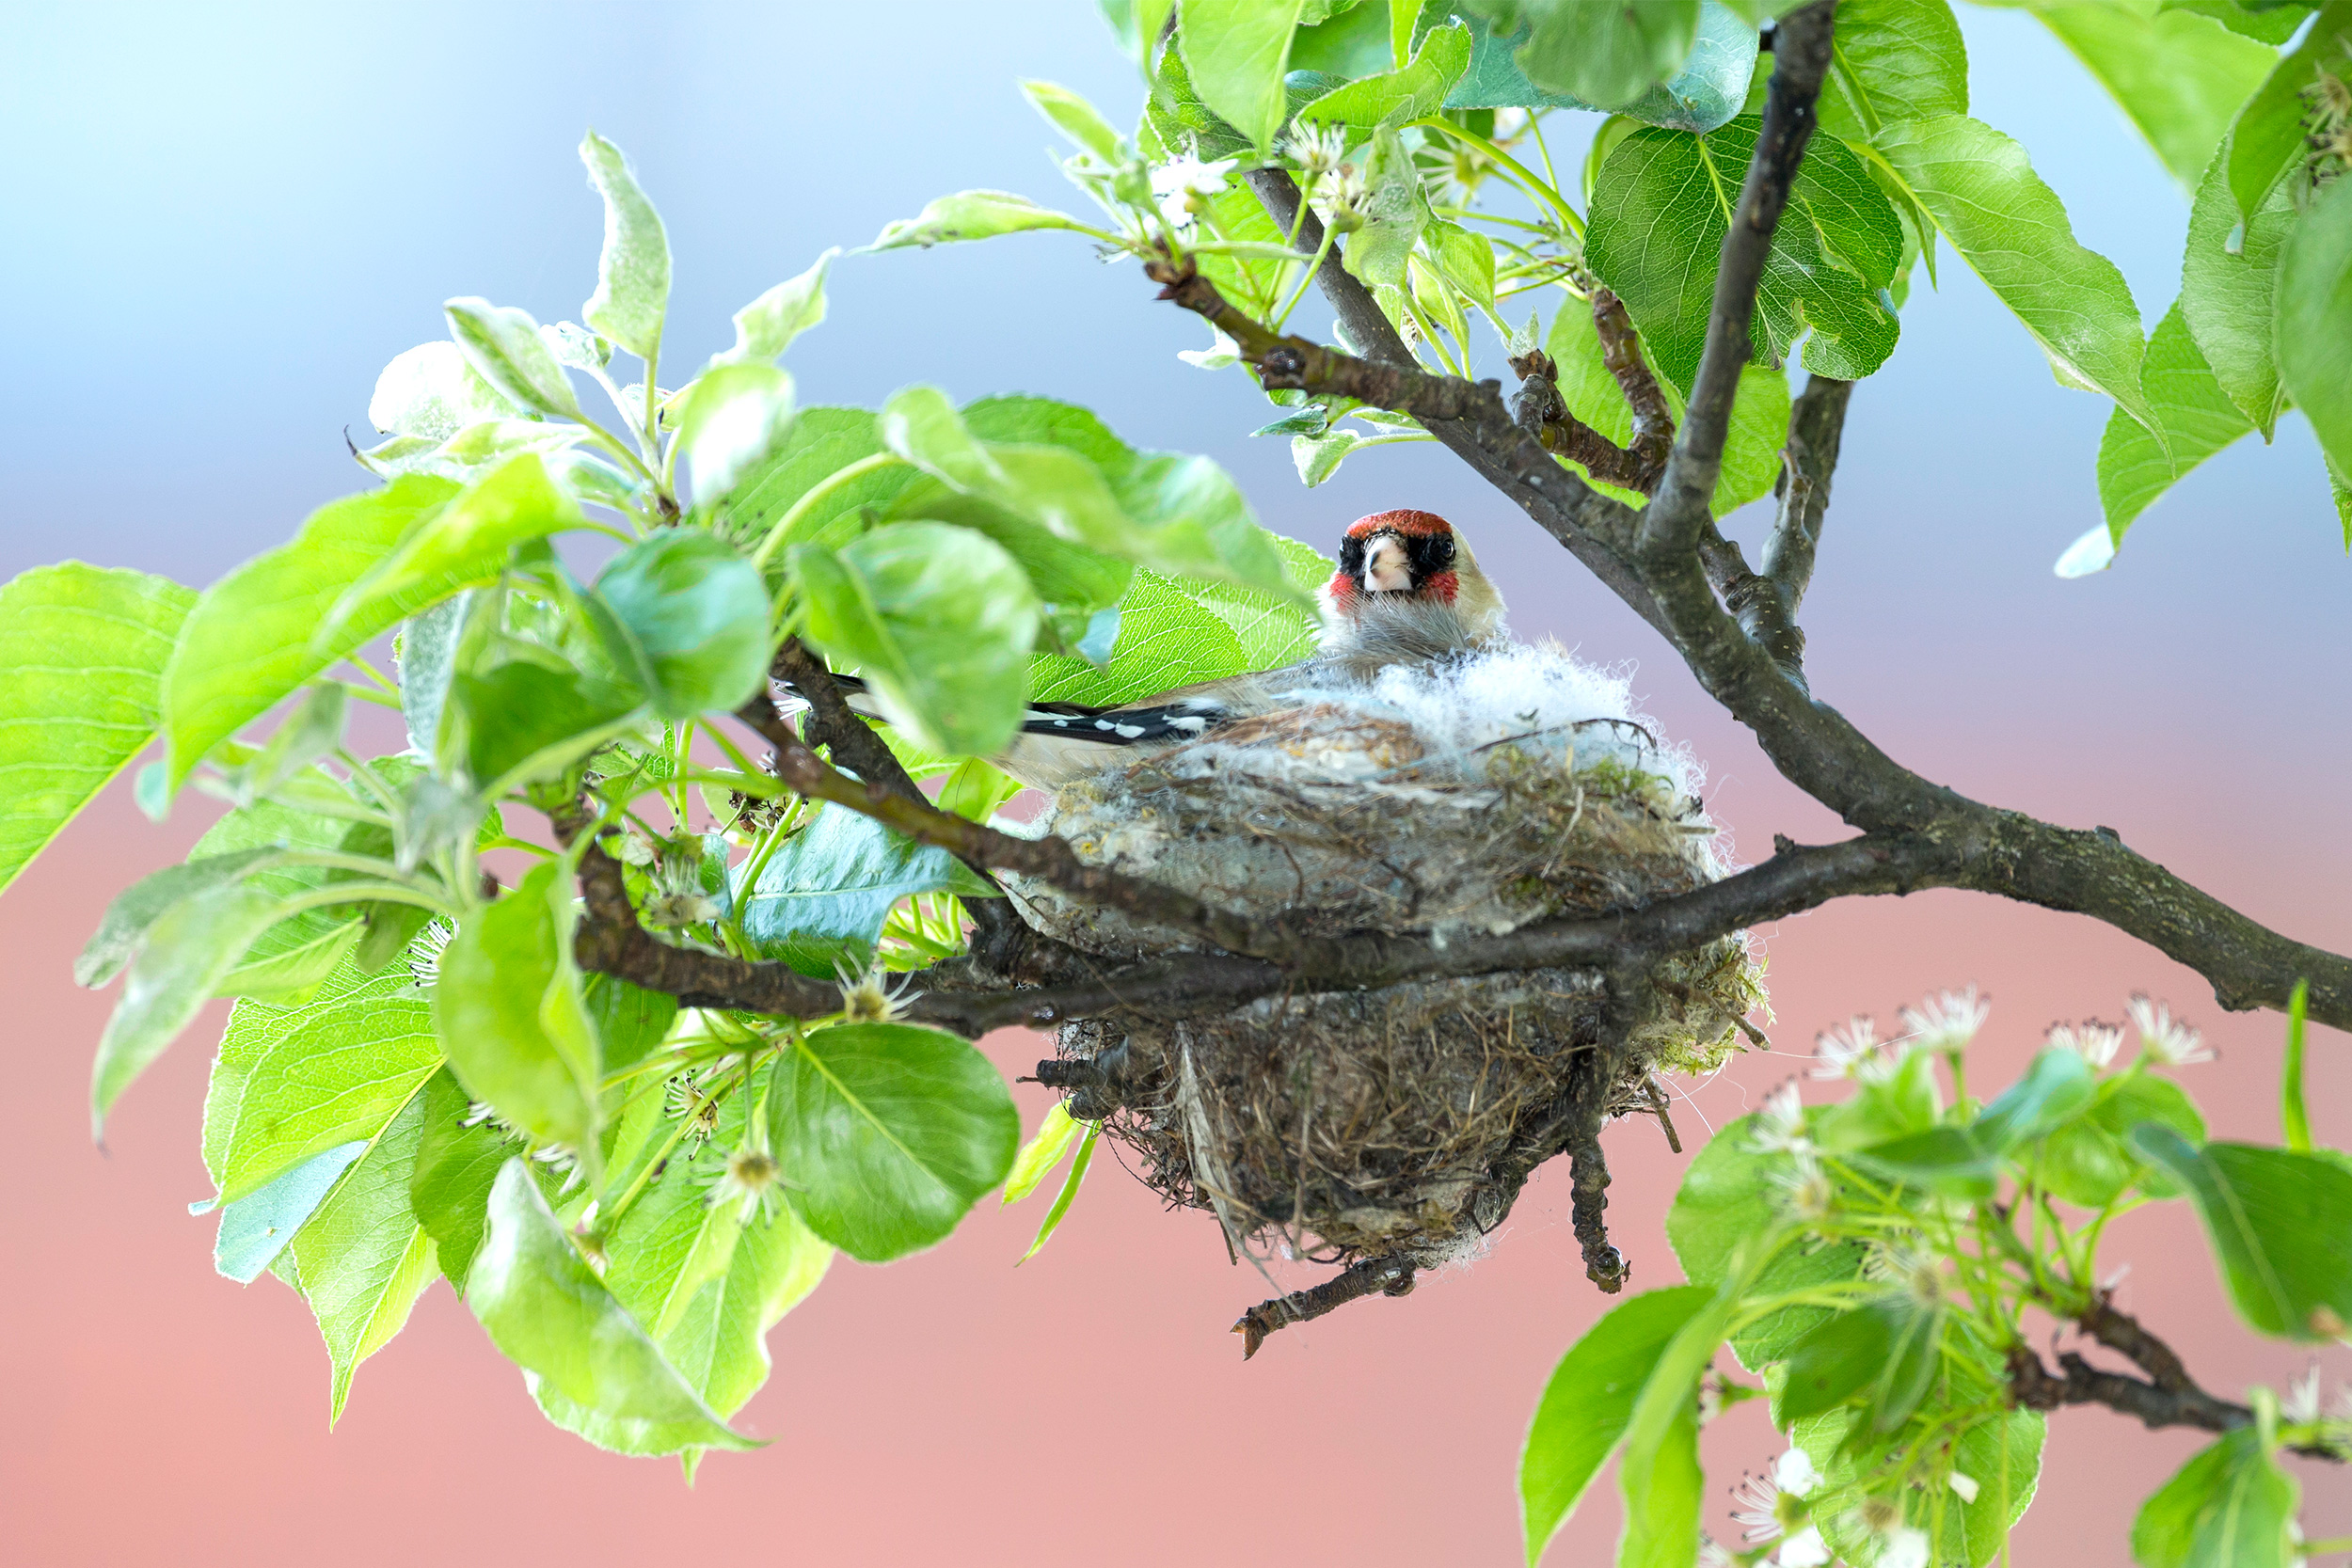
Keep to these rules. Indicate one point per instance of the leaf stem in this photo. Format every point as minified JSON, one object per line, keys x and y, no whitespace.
{"x":815,"y":493}
{"x":1522,"y":176}
{"x":1305,"y":277}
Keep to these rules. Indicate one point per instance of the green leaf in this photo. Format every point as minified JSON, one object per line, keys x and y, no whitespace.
{"x":1075,"y":118}
{"x":1662,"y":206}
{"x":430,"y":393}
{"x":2056,"y":1087}
{"x":123,"y":928}
{"x":82,"y":655}
{"x":734,"y":417}
{"x":2270,"y":20}
{"x":1895,"y":60}
{"x":259,"y":1225}
{"x":2266,"y":140}
{"x":1398,"y":96}
{"x":291,"y":958}
{"x":2261,"y":1207}
{"x":2002,"y":1456}
{"x":1887,"y":1352}
{"x":2091,"y":1160}
{"x":507,"y":1007}
{"x":891,"y":1133}
{"x":766,"y":327}
{"x":1902,"y":1102}
{"x":630,"y":1021}
{"x":2013,"y":230}
{"x":294,"y":1082}
{"x":456,"y":1165}
{"x":466,"y":541}
{"x":362,"y":1258}
{"x":821,"y":444}
{"x":821,"y":899}
{"x":1731,"y":1194}
{"x":1707,"y":91}
{"x":1950,"y":1161}
{"x":1465,"y":260}
{"x":1059,"y":1210}
{"x":504,"y":347}
{"x":2313,"y":320}
{"x":1066,"y":576}
{"x":2230,"y":1507}
{"x":1587,"y":1402}
{"x":1396,"y":209}
{"x":521,"y":722}
{"x":969,"y":216}
{"x":1660,"y":1475}
{"x":2228,"y":274}
{"x":430,"y":648}
{"x":1236,"y":53}
{"x":1602,"y":52}
{"x":188,"y":951}
{"x":547,"y":1312}
{"x":940,"y":621}
{"x":1751,"y":446}
{"x":633,"y":271}
{"x":1040,"y":1154}
{"x":669,"y":1243}
{"x":247,"y":641}
{"x":2180,"y":77}
{"x":688,"y":617}
{"x":2197,"y":419}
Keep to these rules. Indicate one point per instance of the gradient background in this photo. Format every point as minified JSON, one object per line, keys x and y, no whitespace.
{"x":221,"y":220}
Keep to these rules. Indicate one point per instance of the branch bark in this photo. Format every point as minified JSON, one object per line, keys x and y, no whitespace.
{"x":1388,"y":1276}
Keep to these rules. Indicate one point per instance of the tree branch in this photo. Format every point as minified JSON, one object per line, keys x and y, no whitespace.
{"x":1389,"y":1276}
{"x":1801,"y":58}
{"x":1817,"y":426}
{"x":1621,"y":353}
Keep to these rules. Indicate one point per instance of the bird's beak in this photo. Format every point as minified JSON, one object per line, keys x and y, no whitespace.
{"x":1386,"y":570}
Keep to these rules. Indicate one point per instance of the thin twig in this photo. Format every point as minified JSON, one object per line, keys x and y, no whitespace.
{"x":1388,"y":1276}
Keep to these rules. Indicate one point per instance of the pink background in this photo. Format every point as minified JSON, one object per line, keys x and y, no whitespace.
{"x":238,"y":220}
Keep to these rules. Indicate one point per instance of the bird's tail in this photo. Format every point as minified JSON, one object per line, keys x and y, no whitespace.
{"x":1184,"y":720}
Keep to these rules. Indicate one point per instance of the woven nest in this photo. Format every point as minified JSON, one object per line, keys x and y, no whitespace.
{"x":1510,"y":787}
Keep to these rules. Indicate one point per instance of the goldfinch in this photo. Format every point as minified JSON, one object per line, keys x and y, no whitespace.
{"x":1407,"y":591}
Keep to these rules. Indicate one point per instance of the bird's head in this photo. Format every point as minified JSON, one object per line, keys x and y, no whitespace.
{"x":1405,"y":557}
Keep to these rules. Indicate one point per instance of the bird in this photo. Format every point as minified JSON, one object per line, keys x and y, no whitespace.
{"x":1407,"y":591}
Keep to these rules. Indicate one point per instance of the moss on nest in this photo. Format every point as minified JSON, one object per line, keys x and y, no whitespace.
{"x":1402,"y":1120}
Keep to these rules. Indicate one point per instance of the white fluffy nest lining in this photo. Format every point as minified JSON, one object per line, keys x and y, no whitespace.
{"x":1501,"y":788}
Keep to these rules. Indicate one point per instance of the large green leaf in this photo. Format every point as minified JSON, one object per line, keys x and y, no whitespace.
{"x":508,"y":1010}
{"x":247,"y":641}
{"x":1394,"y":97}
{"x":466,"y":541}
{"x":429,"y":392}
{"x":2179,"y":76}
{"x":1661,"y":205}
{"x":1895,"y":60}
{"x":1604,"y":52}
{"x":294,"y":1082}
{"x":546,"y":1311}
{"x":123,"y":928}
{"x":1660,"y":1476}
{"x":506,"y":349}
{"x":2267,"y":139}
{"x":458,"y":1159}
{"x":1707,"y":91}
{"x":1238,"y":53}
{"x":821,"y":443}
{"x":888,"y":1133}
{"x":2091,"y":1160}
{"x":187,"y":953}
{"x":82,"y":655}
{"x":521,"y":721}
{"x":1886,"y":1354}
{"x":257,"y":1227}
{"x":293,"y":956}
{"x":940,"y":621}
{"x":362,"y":1258}
{"x":821,"y":899}
{"x":688,"y":617}
{"x":2228,"y":274}
{"x":1733,"y":1192}
{"x":1587,"y":1402}
{"x":2263,"y":1209}
{"x":2002,"y":1456}
{"x":731,"y":420}
{"x":766,"y":327}
{"x":1759,"y":415}
{"x":2196,"y":418}
{"x":633,"y":272}
{"x":1066,"y":576}
{"x":1984,"y":197}
{"x":2313,"y":320}
{"x":2230,"y":1507}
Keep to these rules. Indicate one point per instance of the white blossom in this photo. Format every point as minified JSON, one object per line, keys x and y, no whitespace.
{"x":1948,"y":1020}
{"x":2163,"y":1036}
{"x":1848,"y":1050}
{"x":1906,"y":1549}
{"x":1780,"y":1126}
{"x":1805,"y":1549}
{"x":2093,"y":1041}
{"x":1965,"y":1486}
{"x":1315,"y":149}
{"x":867,"y":998}
{"x":1183,"y":184}
{"x":2300,"y":1402}
{"x":1794,"y":1473}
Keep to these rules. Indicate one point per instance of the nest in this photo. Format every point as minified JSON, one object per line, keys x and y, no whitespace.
{"x":1399,"y":1124}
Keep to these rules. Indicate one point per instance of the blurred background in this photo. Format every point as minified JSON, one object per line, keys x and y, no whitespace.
{"x":223,"y":219}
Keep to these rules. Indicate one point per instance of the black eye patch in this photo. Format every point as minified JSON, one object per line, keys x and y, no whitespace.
{"x":1429,"y":554}
{"x":1352,"y":558}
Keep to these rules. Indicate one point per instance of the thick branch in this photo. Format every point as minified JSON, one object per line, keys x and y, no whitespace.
{"x":1801,"y":58}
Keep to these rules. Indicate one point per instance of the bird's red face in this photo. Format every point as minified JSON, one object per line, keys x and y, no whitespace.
{"x":1405,"y":554}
